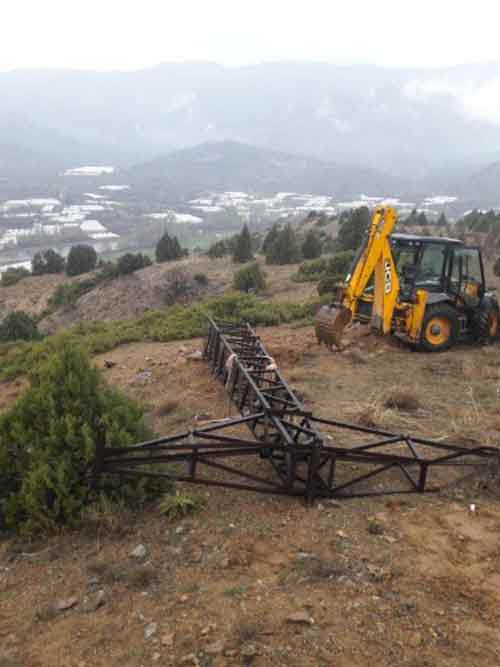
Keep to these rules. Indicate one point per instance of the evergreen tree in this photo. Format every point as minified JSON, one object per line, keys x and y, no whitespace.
{"x":311,"y":247}
{"x":285,"y":249}
{"x":81,"y":259}
{"x":411,"y":220}
{"x":336,"y":271}
{"x":218,"y":249}
{"x":18,"y":325}
{"x":130,"y":262}
{"x":442,"y":221}
{"x":168,"y":249}
{"x":243,"y":250}
{"x":422,"y":219}
{"x":48,"y":442}
{"x":352,"y":228}
{"x":271,"y":237}
{"x":47,"y":262}
{"x":250,"y":278}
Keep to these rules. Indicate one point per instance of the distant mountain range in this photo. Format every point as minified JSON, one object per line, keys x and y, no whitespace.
{"x":424,"y":129}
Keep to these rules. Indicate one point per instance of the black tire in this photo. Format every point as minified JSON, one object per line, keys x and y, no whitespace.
{"x":486,"y":322}
{"x":446,"y":313}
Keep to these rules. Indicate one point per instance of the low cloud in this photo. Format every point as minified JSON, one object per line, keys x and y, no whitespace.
{"x":476,"y":100}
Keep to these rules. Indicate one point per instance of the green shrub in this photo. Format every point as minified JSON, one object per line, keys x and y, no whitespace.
{"x":168,"y":248}
{"x":174,"y":323}
{"x":130,"y":262}
{"x":47,"y":262}
{"x":67,"y":294}
{"x":243,"y":247}
{"x":353,"y":226}
{"x":270,"y":238}
{"x":12,"y":276}
{"x":340,"y":263}
{"x":336,"y":271}
{"x":250,"y":278}
{"x":328,"y":284}
{"x":285,"y":248}
{"x":201,"y":278}
{"x":310,"y":271}
{"x":179,"y":505}
{"x":81,"y":259}
{"x":219,"y":249}
{"x":48,"y":443}
{"x":18,"y":326}
{"x":312,"y":246}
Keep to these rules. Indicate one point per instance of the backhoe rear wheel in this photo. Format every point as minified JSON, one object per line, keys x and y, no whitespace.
{"x":486,"y":322}
{"x":440,"y":328}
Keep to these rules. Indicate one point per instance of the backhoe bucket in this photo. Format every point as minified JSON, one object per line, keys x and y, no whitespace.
{"x":329,"y":324}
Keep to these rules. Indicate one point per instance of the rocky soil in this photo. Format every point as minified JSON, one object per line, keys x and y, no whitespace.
{"x":266,"y":581}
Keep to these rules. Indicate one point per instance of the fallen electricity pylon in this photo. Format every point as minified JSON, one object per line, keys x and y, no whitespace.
{"x":304,"y":461}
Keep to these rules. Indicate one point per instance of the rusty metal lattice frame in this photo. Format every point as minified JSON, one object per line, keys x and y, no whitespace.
{"x":286,"y":435}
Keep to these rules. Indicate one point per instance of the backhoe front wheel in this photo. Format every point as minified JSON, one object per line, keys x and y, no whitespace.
{"x":440,"y":328}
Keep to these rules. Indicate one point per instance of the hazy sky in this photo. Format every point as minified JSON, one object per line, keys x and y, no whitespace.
{"x":126,"y":34}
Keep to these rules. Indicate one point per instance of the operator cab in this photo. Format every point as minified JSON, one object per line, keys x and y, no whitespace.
{"x":439,"y":265}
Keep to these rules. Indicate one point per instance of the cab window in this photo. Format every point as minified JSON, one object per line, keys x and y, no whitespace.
{"x":466,"y":277}
{"x":404,"y":255}
{"x":468,"y":260}
{"x":430,"y":269}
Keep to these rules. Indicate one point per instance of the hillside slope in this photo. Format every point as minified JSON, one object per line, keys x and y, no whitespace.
{"x":231,"y":165}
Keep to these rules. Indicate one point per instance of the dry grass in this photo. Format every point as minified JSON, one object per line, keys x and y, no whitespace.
{"x":471,"y":422}
{"x":11,"y":661}
{"x":317,"y":569}
{"x":247,"y":631}
{"x":402,"y":400}
{"x":166,"y":408}
{"x":106,"y":516}
{"x":135,"y":577}
{"x":367,"y":417}
{"x":46,"y":614}
{"x":357,"y":357}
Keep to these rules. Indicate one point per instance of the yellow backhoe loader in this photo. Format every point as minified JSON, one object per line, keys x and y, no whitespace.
{"x":428,"y":291}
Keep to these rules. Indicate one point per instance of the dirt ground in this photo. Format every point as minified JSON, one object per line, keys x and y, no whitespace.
{"x":31,"y":294}
{"x":391,"y":581}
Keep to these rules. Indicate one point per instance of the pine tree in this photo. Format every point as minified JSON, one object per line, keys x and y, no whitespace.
{"x":422,"y":219}
{"x":47,"y":262}
{"x":243,"y":249}
{"x":168,"y":249}
{"x":271,"y":237}
{"x":250,"y":278}
{"x":411,"y":220}
{"x":285,"y":249}
{"x":311,"y":248}
{"x":442,"y":221}
{"x":352,"y":228}
{"x":81,"y":259}
{"x":48,"y":442}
